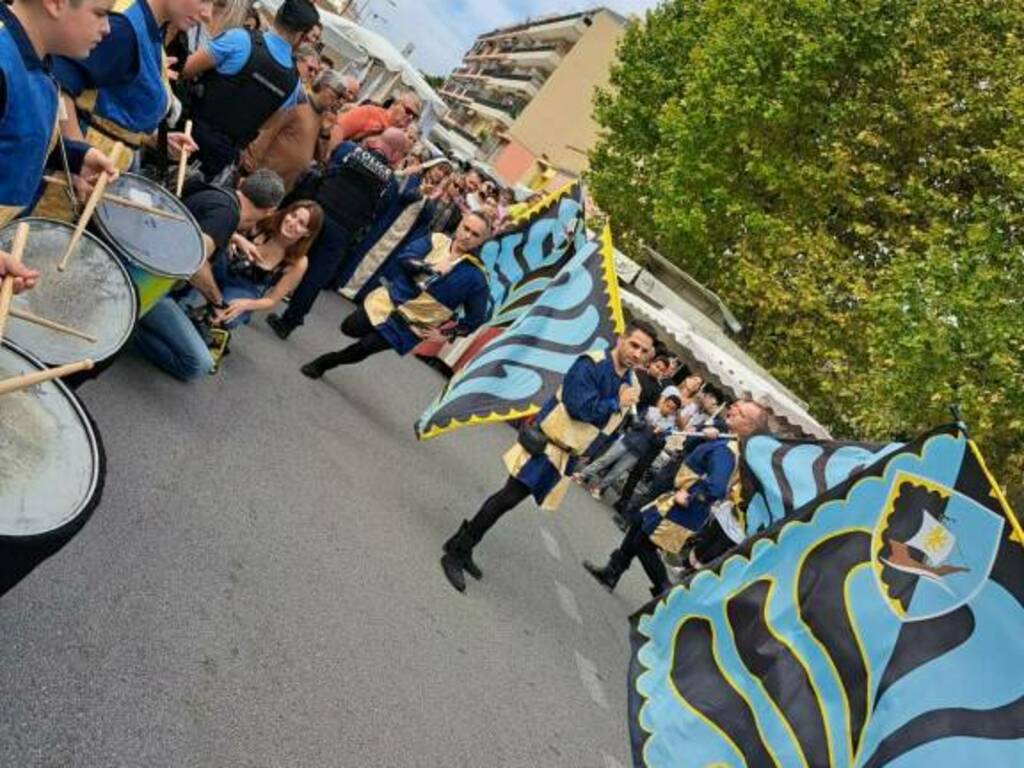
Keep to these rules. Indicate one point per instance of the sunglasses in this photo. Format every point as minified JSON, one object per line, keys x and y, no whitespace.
{"x":410,"y":111}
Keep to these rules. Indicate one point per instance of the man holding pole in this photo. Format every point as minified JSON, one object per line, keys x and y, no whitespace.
{"x":598,"y":391}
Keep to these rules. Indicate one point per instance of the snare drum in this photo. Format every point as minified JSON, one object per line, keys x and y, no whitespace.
{"x":94,"y":295}
{"x":157,"y":251}
{"x":52,"y":468}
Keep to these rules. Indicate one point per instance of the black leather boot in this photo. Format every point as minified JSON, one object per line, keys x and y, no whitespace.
{"x":461,"y":544}
{"x":281,"y":327}
{"x":610,"y":574}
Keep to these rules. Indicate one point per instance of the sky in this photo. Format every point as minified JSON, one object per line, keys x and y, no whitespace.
{"x":443,"y":30}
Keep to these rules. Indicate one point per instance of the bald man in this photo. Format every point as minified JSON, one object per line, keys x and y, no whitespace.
{"x":358,"y":184}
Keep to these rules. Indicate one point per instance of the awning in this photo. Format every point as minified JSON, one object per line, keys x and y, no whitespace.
{"x":727,"y":370}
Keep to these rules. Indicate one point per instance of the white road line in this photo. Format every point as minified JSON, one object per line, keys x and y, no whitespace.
{"x":568,"y":601}
{"x":551,"y":543}
{"x":591,"y":680}
{"x":609,"y":761}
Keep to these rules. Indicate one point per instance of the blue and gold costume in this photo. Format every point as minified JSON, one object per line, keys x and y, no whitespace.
{"x":709,"y":475}
{"x":395,"y":310}
{"x":585,"y":410}
{"x":121,"y":90}
{"x":28,"y":120}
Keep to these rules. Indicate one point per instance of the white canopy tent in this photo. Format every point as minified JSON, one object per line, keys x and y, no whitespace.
{"x":727,"y":368}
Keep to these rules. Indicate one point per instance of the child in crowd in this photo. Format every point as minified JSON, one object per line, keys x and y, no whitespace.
{"x":627,"y":450}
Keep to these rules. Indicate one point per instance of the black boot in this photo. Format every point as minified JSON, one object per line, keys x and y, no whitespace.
{"x":457,"y":559}
{"x":312,"y":370}
{"x":610,"y":574}
{"x":281,"y":327}
{"x":461,"y":545}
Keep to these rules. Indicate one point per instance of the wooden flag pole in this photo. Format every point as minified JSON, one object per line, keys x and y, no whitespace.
{"x":90,"y":206}
{"x":7,"y":287}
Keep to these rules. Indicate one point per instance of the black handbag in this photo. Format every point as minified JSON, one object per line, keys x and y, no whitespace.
{"x":532,"y":438}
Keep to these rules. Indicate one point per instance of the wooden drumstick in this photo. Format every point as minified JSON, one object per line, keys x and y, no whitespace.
{"x":124,"y":202}
{"x":183,"y":161}
{"x":42,"y":322}
{"x":26,"y":380}
{"x":7,"y":287}
{"x":90,"y":206}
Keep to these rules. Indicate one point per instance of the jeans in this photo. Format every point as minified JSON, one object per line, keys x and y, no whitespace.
{"x":166,"y":337}
{"x":617,"y":460}
{"x":324,"y":258}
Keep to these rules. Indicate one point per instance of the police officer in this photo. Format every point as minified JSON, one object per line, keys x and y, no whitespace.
{"x":245,"y":76}
{"x":30,"y":32}
{"x":356,"y":187}
{"x":596,"y":394}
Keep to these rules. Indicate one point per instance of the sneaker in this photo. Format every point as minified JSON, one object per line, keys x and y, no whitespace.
{"x":596,"y":492}
{"x":281,"y":327}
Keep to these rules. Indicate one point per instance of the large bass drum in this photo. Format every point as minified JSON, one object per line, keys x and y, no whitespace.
{"x":52,"y":468}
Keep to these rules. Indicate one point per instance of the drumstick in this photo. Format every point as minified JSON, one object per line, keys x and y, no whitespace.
{"x":7,"y":287}
{"x":183,"y":160}
{"x":90,"y":206}
{"x":124,"y":202}
{"x":28,"y":317}
{"x":26,"y":380}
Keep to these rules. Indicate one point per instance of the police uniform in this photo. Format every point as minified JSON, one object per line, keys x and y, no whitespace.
{"x":582,"y":414}
{"x":28,"y":120}
{"x":254,"y":76}
{"x":357,"y":185}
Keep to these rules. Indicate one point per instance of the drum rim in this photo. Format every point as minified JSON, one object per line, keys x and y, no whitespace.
{"x":136,"y":305}
{"x":180,"y":208}
{"x":96,"y":449}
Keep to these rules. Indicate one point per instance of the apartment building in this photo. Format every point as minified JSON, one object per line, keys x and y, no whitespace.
{"x":523,"y":96}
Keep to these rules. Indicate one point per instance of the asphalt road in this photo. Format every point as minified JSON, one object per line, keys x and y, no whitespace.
{"x":261,"y":587}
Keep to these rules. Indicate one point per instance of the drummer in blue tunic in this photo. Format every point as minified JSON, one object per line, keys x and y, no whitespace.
{"x":596,"y":394}
{"x":121,"y":92}
{"x":31,"y":31}
{"x":449,"y":285}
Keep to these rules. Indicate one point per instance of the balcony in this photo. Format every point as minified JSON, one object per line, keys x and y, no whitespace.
{"x":570,"y":27}
{"x":456,"y":128}
{"x":507,"y":81}
{"x":505,"y":112}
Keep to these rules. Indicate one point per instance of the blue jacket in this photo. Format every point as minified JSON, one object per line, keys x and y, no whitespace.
{"x":713,"y":462}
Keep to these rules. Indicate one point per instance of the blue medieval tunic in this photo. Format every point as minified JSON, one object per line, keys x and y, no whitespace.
{"x":584,"y":411}
{"x":28,"y":121}
{"x":121,"y":89}
{"x":709,"y":475}
{"x":403,"y":305}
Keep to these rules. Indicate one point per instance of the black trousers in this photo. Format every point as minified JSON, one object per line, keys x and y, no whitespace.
{"x":370,"y":342}
{"x":635,"y":475}
{"x":636,"y":544}
{"x":512,"y":494}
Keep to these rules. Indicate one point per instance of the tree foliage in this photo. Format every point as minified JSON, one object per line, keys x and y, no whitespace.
{"x":849,"y":176}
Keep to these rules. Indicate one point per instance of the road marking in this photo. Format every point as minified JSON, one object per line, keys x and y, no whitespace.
{"x":568,"y":601}
{"x":609,"y":761}
{"x":551,"y":543}
{"x":591,"y":680}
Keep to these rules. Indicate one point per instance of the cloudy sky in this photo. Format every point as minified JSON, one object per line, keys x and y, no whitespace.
{"x":442,"y":30}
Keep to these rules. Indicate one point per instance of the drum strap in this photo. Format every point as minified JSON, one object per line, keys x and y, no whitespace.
{"x":70,"y":189}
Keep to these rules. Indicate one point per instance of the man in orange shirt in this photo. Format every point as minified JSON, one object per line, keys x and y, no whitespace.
{"x":369,"y":119}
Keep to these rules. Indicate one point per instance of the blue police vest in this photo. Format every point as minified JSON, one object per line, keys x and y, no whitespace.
{"x":27,"y":128}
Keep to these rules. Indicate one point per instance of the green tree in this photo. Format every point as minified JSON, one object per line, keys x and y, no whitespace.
{"x":849,"y":176}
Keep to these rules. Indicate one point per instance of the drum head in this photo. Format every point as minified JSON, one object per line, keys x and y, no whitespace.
{"x":163,"y":246}
{"x":93,"y":295}
{"x":50,"y":457}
